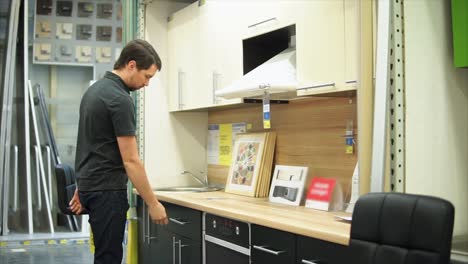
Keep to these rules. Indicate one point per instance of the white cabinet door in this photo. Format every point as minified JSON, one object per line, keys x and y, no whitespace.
{"x":209,"y":76}
{"x":173,"y":64}
{"x":266,"y":16}
{"x":351,"y":40}
{"x":186,"y":60}
{"x":320,"y":43}
{"x":226,"y":29}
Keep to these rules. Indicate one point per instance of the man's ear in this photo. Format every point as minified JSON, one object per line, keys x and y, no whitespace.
{"x":131,"y":65}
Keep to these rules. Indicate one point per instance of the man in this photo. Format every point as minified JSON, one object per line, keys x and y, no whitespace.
{"x":107,"y":152}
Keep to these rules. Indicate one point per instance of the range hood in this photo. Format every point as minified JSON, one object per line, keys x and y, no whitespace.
{"x":277,"y":75}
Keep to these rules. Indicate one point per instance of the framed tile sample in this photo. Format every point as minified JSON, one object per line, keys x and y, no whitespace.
{"x":251,"y":164}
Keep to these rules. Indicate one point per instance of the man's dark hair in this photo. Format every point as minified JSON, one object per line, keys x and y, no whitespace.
{"x":141,"y":52}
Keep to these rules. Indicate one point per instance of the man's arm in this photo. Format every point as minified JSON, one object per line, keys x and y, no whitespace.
{"x":136,"y":173}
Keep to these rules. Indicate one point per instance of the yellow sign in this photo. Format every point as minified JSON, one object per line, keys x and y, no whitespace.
{"x":225,"y":144}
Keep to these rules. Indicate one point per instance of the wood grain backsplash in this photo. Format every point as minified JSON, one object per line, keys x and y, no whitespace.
{"x":309,"y":133}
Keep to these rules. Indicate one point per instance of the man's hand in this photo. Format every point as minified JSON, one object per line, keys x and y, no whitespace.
{"x":158,"y":213}
{"x":75,"y":204}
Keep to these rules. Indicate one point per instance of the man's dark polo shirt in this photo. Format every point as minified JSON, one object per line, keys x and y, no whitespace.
{"x":106,"y":112}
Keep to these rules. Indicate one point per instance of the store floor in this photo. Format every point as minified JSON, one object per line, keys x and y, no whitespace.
{"x":45,"y":254}
{"x":45,"y":248}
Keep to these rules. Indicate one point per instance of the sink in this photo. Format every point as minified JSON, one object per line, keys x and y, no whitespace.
{"x":189,"y":189}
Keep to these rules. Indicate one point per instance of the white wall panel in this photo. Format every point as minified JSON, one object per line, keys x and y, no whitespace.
{"x":173,"y":142}
{"x":436,"y":109}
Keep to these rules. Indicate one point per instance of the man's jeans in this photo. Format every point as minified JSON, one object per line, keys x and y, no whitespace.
{"x":107,"y":216}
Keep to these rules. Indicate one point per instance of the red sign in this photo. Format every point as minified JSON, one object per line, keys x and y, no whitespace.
{"x":321,"y":189}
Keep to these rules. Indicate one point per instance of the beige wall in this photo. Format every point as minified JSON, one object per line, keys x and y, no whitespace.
{"x":436,"y":109}
{"x":173,"y":142}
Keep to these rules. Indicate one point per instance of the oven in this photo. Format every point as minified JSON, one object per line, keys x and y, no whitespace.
{"x":225,"y":240}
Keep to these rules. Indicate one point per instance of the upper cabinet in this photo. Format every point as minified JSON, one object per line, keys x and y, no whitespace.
{"x":221,"y":30}
{"x":185,"y":58}
{"x":351,"y":40}
{"x":265,"y":16}
{"x":320,"y":44}
{"x":206,"y":45}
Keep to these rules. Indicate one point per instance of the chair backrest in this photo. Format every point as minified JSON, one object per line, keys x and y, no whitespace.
{"x":394,"y":228}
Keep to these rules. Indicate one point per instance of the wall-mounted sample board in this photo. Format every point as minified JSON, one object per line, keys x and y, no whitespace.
{"x":78,"y":32}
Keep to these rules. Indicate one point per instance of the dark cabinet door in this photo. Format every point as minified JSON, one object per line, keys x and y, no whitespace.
{"x":184,"y":221}
{"x":171,"y":248}
{"x":154,"y":242}
{"x":272,"y":246}
{"x":161,"y":248}
{"x":176,"y":243}
{"x":143,"y":245}
{"x":311,"y":250}
{"x":189,"y":251}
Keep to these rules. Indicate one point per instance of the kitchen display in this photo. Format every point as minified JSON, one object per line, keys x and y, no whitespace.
{"x":264,"y":56}
{"x":269,"y":130}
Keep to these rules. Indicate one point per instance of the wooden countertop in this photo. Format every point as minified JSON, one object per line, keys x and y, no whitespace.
{"x":299,"y":220}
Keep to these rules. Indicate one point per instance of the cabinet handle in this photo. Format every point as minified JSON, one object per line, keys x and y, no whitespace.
{"x":264,"y":249}
{"x":261,"y":22}
{"x":226,"y":244}
{"x":215,"y":85}
{"x":148,"y":228}
{"x":317,"y":86}
{"x":178,"y":221}
{"x":180,"y":79}
{"x":173,"y":250}
{"x":143,"y":218}
{"x":304,"y":261}
{"x":180,"y":251}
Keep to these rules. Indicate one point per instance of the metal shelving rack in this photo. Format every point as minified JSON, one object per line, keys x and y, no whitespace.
{"x":140,"y":98}
{"x":389,"y":102}
{"x":397,"y":98}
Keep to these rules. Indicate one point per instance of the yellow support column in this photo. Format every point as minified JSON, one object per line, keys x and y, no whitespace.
{"x":132,"y":237}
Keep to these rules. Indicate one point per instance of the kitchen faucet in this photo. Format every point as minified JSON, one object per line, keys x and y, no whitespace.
{"x":204,"y":183}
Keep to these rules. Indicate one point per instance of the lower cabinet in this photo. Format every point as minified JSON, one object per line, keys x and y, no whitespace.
{"x":179,"y":242}
{"x":184,"y":250}
{"x":148,"y":235}
{"x":171,"y":248}
{"x":272,"y":246}
{"x":315,"y":251}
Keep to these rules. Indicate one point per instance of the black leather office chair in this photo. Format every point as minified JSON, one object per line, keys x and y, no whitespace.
{"x":396,"y":228}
